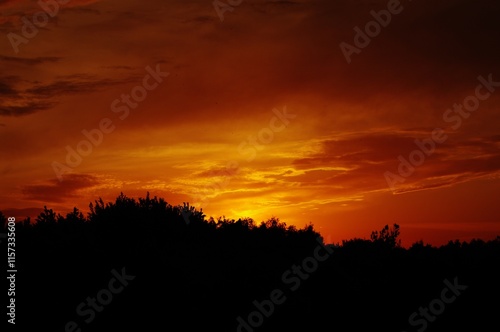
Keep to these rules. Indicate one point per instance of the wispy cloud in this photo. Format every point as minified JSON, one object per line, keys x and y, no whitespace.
{"x":57,"y":191}
{"x":22,"y":98}
{"x":362,"y":159}
{"x":29,"y":61}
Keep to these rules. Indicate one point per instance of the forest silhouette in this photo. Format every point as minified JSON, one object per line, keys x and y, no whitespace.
{"x":193,"y":273}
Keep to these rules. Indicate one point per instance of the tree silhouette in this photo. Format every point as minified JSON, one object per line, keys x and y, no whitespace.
{"x":206,"y":273}
{"x":387,"y":236}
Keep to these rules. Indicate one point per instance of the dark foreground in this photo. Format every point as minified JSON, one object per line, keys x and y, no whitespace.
{"x":148,"y":266}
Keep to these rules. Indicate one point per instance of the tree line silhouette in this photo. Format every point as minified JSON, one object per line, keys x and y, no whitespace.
{"x":193,"y":272}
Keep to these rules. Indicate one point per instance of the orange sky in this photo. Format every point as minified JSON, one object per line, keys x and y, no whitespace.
{"x":347,"y":125}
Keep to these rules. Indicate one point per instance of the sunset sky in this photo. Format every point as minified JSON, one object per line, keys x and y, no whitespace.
{"x":261,"y":114}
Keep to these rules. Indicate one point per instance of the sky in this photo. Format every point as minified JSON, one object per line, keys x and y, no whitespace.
{"x":349,"y":115}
